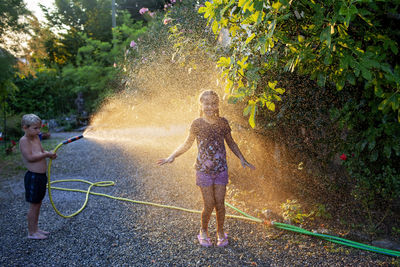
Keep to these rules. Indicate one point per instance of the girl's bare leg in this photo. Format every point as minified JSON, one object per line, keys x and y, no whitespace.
{"x":208,"y":206}
{"x":219,"y":195}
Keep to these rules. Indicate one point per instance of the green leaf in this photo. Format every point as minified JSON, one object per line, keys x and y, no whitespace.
{"x":276,"y":5}
{"x":398,"y":115}
{"x":224,"y":62}
{"x":270,"y":105}
{"x":371,"y":145}
{"x":351,"y":78}
{"x":340,"y":84}
{"x":252,"y":109}
{"x":387,"y":150}
{"x":215,"y":27}
{"x":378,"y":91}
{"x":363,"y":144}
{"x":248,"y":40}
{"x":258,"y":5}
{"x":374,"y":156}
{"x":366,"y":73}
{"x":246,"y":110}
{"x":280,"y":90}
{"x":326,"y":36}
{"x":262,"y":44}
{"x":272,"y":84}
{"x":321,"y":79}
{"x":232,"y":99}
{"x":348,"y":12}
{"x":242,"y":3}
{"x":328,"y":59}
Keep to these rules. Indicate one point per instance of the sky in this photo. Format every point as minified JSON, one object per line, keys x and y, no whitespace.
{"x":33,"y":5}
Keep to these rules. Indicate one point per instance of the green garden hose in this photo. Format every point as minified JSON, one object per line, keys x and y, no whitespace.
{"x":245,"y":216}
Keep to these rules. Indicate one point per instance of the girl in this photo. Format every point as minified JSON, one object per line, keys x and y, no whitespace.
{"x":210,"y":131}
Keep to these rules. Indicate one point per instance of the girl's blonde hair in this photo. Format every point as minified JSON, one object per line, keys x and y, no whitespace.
{"x":207,"y":93}
{"x":30,"y":119}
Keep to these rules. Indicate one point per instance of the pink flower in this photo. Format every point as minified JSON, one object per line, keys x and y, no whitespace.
{"x":13,"y":142}
{"x":115,"y":65}
{"x":343,"y":157}
{"x":133,"y":44}
{"x":143,"y":10}
{"x":173,"y":1}
{"x":167,"y":20}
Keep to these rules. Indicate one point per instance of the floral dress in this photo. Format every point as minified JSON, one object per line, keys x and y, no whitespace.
{"x":211,"y":157}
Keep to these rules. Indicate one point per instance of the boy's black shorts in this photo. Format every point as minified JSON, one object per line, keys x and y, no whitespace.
{"x":35,"y":186}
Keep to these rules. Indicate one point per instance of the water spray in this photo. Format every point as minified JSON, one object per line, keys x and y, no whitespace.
{"x":267,"y":221}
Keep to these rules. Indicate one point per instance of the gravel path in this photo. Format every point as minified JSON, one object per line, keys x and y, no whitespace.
{"x":116,"y":233}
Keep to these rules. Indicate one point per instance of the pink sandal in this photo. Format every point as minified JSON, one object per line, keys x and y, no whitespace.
{"x":222,"y":242}
{"x":205,"y":242}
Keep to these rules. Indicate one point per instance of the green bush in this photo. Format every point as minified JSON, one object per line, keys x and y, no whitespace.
{"x":13,"y":128}
{"x":44,"y":95}
{"x":372,"y":152}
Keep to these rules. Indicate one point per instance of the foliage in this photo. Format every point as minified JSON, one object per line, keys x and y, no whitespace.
{"x":291,"y":211}
{"x":92,"y":17}
{"x":10,"y":13}
{"x":320,"y":211}
{"x":133,"y":6}
{"x":44,"y":95}
{"x":45,"y":128}
{"x":95,"y":72}
{"x":10,"y":147}
{"x":190,"y":42}
{"x":13,"y":128}
{"x":85,"y":65}
{"x":7,"y":71}
{"x":336,"y":41}
{"x":372,"y":154}
{"x":352,"y":46}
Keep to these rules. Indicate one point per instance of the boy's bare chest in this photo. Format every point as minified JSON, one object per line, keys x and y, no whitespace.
{"x":36,"y":147}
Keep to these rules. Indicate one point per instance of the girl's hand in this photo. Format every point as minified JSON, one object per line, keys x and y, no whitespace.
{"x":167,"y":160}
{"x":247,"y":164}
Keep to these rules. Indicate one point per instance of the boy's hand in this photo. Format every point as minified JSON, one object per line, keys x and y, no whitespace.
{"x":51,"y":155}
{"x":247,"y":164}
{"x":167,"y":160}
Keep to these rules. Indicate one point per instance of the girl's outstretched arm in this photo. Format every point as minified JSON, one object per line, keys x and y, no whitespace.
{"x":235,"y":149}
{"x":179,"y":151}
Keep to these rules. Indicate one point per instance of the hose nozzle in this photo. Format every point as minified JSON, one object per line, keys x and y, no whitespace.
{"x":72,"y":139}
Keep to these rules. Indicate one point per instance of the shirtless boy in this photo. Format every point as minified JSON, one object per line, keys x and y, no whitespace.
{"x":34,"y":158}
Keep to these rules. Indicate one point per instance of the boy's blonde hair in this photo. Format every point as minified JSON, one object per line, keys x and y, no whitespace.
{"x":30,"y":119}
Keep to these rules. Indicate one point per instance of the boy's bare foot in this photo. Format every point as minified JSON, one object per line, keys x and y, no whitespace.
{"x":43,"y":232}
{"x":37,"y":235}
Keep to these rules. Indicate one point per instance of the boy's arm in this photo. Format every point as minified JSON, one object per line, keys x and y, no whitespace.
{"x":235,"y":149}
{"x":180,"y":150}
{"x":26,"y":151}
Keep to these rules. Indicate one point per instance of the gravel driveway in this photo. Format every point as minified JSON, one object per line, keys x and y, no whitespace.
{"x":116,"y":233}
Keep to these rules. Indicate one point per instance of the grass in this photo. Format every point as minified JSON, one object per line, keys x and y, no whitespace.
{"x":11,"y":165}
